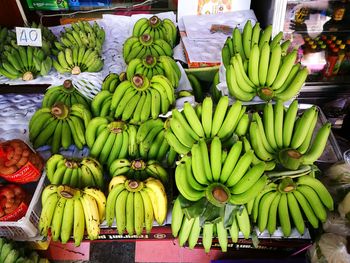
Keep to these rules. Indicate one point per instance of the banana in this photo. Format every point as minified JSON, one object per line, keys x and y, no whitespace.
{"x":176,"y":115}
{"x":294,"y":86}
{"x":207,"y":116}
{"x":185,"y":230}
{"x":79,"y":222}
{"x":255,"y":35}
{"x":176,"y":217}
{"x":237,"y":42}
{"x":240,"y":169}
{"x":268,"y":119}
{"x":272,"y":216}
{"x":219,"y":115}
{"x":92,"y":128}
{"x":67,"y":221}
{"x":215,"y":158}
{"x":205,"y":160}
{"x":234,"y":230}
{"x":100,"y":199}
{"x":247,"y":38}
{"x":92,"y":217}
{"x":57,"y":219}
{"x":295,"y":213}
{"x":48,"y":190}
{"x":46,"y":132}
{"x":250,"y":194}
{"x":276,"y":39}
{"x":120,"y":211}
{"x":283,"y":215}
{"x":129,"y":210}
{"x":308,"y":211}
{"x":47,"y":214}
{"x":318,"y":145}
{"x":193,"y":119}
{"x":231,"y":120}
{"x":156,"y":191}
{"x":154,"y":169}
{"x":207,"y":237}
{"x":265,"y":36}
{"x":194,"y":234}
{"x":278,"y":121}
{"x":264,"y":62}
{"x":249,"y":179}
{"x":253,"y":65}
{"x":259,"y":134}
{"x":264,"y":207}
{"x":244,"y":222}
{"x":198,"y":164}
{"x":111,"y":203}
{"x":51,"y":165}
{"x":306,"y":143}
{"x":274,"y":64}
{"x":175,"y":143}
{"x":285,"y":46}
{"x":288,"y":123}
{"x":222,"y":235}
{"x":230,"y":161}
{"x":287,"y":65}
{"x":233,"y":87}
{"x":149,"y":214}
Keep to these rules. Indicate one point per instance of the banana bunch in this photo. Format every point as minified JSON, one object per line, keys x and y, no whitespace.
{"x":189,"y":229}
{"x":187,"y":127}
{"x":69,"y":211}
{"x":13,"y":252}
{"x":150,"y":66}
{"x":65,"y":93}
{"x":284,"y":137}
{"x":288,"y":201}
{"x":156,"y":28}
{"x":218,"y":175}
{"x":73,"y":172}
{"x":112,"y":80}
{"x":138,"y":169}
{"x":77,"y":59}
{"x":258,"y":65}
{"x":58,"y":126}
{"x":82,"y":34}
{"x":135,"y":204}
{"x":25,"y":62}
{"x":141,"y":46}
{"x":152,"y":144}
{"x":110,"y":140}
{"x":142,"y":98}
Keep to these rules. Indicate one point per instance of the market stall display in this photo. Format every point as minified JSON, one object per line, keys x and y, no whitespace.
{"x":235,"y":170}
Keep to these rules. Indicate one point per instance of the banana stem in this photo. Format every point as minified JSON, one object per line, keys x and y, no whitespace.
{"x":68,"y":192}
{"x":28,"y":76}
{"x":138,"y":165}
{"x":59,"y":110}
{"x":287,"y":185}
{"x":266,"y":93}
{"x":133,"y":185}
{"x":76,"y":70}
{"x":140,"y":82}
{"x":117,"y":126}
{"x":218,"y":194}
{"x":279,"y":174}
{"x":67,"y":84}
{"x":154,"y":21}
{"x":290,"y":158}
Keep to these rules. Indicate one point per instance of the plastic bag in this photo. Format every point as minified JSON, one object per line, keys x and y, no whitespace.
{"x":337,"y":225}
{"x":331,"y":248}
{"x":19,"y":163}
{"x":13,"y":202}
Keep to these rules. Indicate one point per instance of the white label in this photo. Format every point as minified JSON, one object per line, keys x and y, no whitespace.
{"x":27,"y":36}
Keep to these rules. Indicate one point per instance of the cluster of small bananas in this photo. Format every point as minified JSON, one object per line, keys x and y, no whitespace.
{"x":138,"y":169}
{"x":24,"y":62}
{"x":136,"y":100}
{"x":218,"y":175}
{"x":80,"y":173}
{"x":135,"y":204}
{"x":187,"y":127}
{"x":69,"y":211}
{"x":283,"y":137}
{"x":58,"y":126}
{"x":286,"y":200}
{"x":150,"y":66}
{"x":258,"y":65}
{"x":189,"y":229}
{"x":13,"y":252}
{"x":65,"y":93}
{"x":157,"y":28}
{"x":139,"y":47}
{"x":81,"y":34}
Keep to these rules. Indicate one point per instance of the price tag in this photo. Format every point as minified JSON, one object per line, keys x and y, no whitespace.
{"x":27,"y":36}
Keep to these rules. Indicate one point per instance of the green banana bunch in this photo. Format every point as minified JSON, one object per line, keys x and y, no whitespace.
{"x":78,"y":173}
{"x":143,"y":45}
{"x":189,"y":229}
{"x":110,"y":140}
{"x":289,"y":201}
{"x":59,"y":126}
{"x":157,"y":28}
{"x":11,"y":251}
{"x":141,"y":98}
{"x":25,"y":62}
{"x":257,"y":64}
{"x":138,"y":169}
{"x":69,"y":211}
{"x":187,"y":127}
{"x":284,"y":137}
{"x":221,"y":180}
{"x":82,"y":34}
{"x":136,"y":204}
{"x":150,"y":66}
{"x":65,"y":93}
{"x":112,"y":80}
{"x":78,"y":59}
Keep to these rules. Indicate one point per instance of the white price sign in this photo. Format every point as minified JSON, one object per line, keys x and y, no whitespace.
{"x":27,"y":36}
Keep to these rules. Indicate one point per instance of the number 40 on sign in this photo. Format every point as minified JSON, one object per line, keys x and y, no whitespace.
{"x":28,"y":36}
